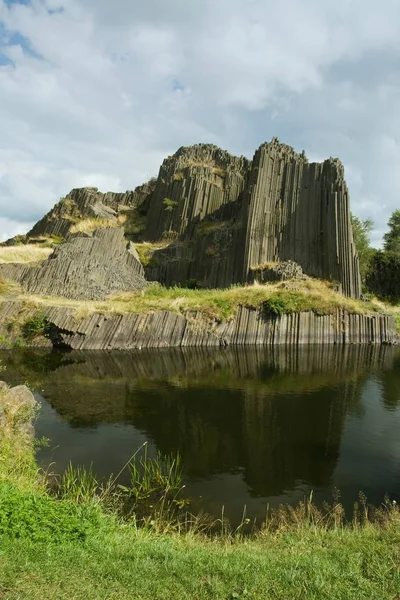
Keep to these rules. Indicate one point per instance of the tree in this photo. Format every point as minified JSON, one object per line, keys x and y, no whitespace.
{"x":392,"y":237}
{"x":383,"y":276}
{"x":361,"y":236}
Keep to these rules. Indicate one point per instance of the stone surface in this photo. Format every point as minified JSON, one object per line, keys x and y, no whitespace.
{"x":85,"y":267}
{"x":277,"y":272}
{"x":227,"y":216}
{"x":17,"y":405}
{"x":88,"y":202}
{"x":168,"y":329}
{"x":277,"y":208}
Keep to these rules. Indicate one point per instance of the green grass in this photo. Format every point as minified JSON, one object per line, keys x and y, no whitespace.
{"x":220,"y":304}
{"x":120,"y":562}
{"x":277,"y":299}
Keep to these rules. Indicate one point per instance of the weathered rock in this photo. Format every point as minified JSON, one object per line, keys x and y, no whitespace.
{"x":88,"y":202}
{"x":193,"y":183}
{"x":228,"y":216}
{"x":85,"y":267}
{"x":251,"y":326}
{"x":278,"y":208}
{"x":17,"y":408}
{"x":277,"y":272}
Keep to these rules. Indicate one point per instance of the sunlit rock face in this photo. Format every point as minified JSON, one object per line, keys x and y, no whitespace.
{"x":221,"y":217}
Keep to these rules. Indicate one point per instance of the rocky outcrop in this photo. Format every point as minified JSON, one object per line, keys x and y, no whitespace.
{"x":282,"y":271}
{"x":17,"y":408}
{"x":300,"y":211}
{"x":278,"y":208}
{"x":85,"y":267}
{"x":193,"y":183}
{"x":226,"y":217}
{"x":82,"y":203}
{"x":168,"y":329}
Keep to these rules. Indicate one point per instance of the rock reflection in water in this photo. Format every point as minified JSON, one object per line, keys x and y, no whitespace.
{"x":258,"y":423}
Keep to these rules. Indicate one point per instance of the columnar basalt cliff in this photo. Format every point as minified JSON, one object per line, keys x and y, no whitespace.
{"x":209,"y":220}
{"x":82,"y":203}
{"x":224,"y":217}
{"x":85,"y":267}
{"x":162,"y":329}
{"x":232,"y":217}
{"x":300,"y":211}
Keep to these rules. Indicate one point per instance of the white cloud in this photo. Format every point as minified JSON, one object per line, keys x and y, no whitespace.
{"x":99,"y":92}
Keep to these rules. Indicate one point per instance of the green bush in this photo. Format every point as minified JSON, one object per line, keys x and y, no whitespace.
{"x":35,"y":326}
{"x":43,"y":519}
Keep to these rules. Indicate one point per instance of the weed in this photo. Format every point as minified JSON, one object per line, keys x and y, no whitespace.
{"x":35,"y":326}
{"x":78,"y":484}
{"x":169,"y":204}
{"x":221,"y":172}
{"x":90,"y":225}
{"x":41,"y":519}
{"x":178,"y":176}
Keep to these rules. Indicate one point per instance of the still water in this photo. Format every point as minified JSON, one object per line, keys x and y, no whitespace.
{"x":253,"y":426}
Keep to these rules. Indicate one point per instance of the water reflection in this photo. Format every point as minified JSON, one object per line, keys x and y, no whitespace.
{"x":252,"y":425}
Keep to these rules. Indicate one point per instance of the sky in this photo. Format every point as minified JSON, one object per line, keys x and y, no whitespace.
{"x":99,"y":92}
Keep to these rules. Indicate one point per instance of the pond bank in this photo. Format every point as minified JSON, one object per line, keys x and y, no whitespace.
{"x":58,"y":548}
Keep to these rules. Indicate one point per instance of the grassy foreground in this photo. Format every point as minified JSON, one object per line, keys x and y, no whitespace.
{"x":68,"y":549}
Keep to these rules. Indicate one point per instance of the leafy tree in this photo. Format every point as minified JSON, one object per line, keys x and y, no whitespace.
{"x":392,"y":237}
{"x":383,"y":277}
{"x":361,"y":235}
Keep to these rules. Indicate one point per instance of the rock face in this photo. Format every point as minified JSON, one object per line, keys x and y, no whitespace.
{"x":17,"y":408}
{"x":163,"y":329}
{"x":225,"y":217}
{"x":83,"y":203}
{"x":230,"y":217}
{"x":85,"y":267}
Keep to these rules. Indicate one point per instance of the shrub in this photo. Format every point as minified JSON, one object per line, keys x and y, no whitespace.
{"x":35,"y":326}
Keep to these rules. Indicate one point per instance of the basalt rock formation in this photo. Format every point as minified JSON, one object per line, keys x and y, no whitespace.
{"x":220,"y":220}
{"x":164,"y":329}
{"x":85,"y":267}
{"x":230,"y":217}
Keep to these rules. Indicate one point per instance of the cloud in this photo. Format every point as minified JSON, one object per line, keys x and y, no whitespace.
{"x":98,"y":93}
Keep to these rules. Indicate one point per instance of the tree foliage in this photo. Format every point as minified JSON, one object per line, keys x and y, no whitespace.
{"x":383,"y":277}
{"x":392,"y":237}
{"x":361,"y":235}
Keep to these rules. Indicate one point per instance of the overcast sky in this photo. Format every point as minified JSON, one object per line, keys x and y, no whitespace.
{"x":98,"y":92}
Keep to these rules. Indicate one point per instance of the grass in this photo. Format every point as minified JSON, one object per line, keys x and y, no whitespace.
{"x":146,"y":250}
{"x":29,"y":253}
{"x":90,"y":225}
{"x":219,"y":304}
{"x":222,"y":304}
{"x":71,"y":547}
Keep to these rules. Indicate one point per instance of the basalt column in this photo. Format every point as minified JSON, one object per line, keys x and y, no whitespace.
{"x":300,"y":211}
{"x":196,"y":182}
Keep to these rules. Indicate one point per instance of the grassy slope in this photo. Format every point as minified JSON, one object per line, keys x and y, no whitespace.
{"x":121,"y":563}
{"x":42,"y":557}
{"x":24,"y":254}
{"x":221,"y":304}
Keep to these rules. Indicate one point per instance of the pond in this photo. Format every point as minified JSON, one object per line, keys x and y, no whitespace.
{"x":254,"y":426}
